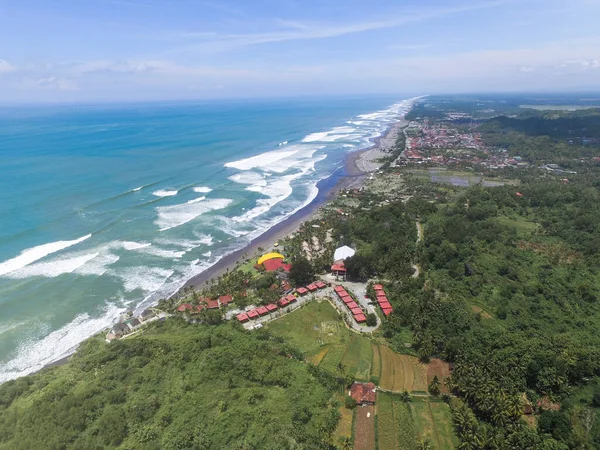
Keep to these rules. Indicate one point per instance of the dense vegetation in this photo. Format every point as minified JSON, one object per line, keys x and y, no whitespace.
{"x":179,"y":386}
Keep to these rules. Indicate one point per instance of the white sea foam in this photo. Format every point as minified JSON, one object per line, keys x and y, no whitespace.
{"x":163,"y":253}
{"x":176,"y":215}
{"x":146,"y":279}
{"x":36,"y":253}
{"x":262,"y":160}
{"x":202,"y":189}
{"x":196,"y":200}
{"x":315,"y":137}
{"x":54,"y":268}
{"x":135,"y":245}
{"x":165,"y":193}
{"x":282,"y":143}
{"x":249,"y":177}
{"x":34,"y":353}
{"x":137,"y":189}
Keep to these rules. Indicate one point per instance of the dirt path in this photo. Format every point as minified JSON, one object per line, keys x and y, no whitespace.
{"x":419,"y":239}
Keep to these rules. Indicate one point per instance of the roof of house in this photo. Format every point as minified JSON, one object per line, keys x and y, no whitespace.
{"x":184,"y":307}
{"x":212,"y":304}
{"x":378,"y":287}
{"x":380,"y":294}
{"x":352,"y":305}
{"x":262,"y":310}
{"x":283,"y":302}
{"x":342,"y":253}
{"x":356,"y":311}
{"x":312,"y":287}
{"x":338,"y":268}
{"x":360,"y":318}
{"x":320,"y":284}
{"x":346,"y":299}
{"x":290,"y":297}
{"x":252,"y":314}
{"x":243,"y":317}
{"x":302,"y":290}
{"x":147,"y":313}
{"x":271,"y":307}
{"x":272,"y":265}
{"x":225,"y":299}
{"x":387,"y":311}
{"x":363,"y":392}
{"x":120,"y":327}
{"x":339,"y":288}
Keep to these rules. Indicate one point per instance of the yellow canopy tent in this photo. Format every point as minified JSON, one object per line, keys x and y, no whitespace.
{"x":269,"y":256}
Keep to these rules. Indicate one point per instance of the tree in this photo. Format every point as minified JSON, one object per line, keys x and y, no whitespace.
{"x":359,"y":268}
{"x":371,"y":320}
{"x":434,"y":386}
{"x":424,"y":444}
{"x":302,"y":272}
{"x":349,"y":402}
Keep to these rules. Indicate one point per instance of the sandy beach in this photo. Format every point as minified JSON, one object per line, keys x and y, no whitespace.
{"x":358,"y":165}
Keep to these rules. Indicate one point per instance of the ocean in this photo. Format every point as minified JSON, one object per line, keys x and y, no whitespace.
{"x":108,"y":208}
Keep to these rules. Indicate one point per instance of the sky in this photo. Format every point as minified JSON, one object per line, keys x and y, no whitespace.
{"x":132,"y":50}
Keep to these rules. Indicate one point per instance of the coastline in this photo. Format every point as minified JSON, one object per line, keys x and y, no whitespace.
{"x":356,"y":167}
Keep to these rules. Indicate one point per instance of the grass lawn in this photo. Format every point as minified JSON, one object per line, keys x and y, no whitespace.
{"x":523,"y":226}
{"x":376,"y":364}
{"x":344,"y":428}
{"x":312,"y":329}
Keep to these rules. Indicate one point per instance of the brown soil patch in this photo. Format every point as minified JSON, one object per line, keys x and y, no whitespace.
{"x":478,"y":309}
{"x":364,"y":428}
{"x":316,"y":359}
{"x":441,"y":369}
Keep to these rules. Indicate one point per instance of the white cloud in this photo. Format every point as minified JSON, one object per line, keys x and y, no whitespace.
{"x":53,"y":83}
{"x":5,"y":66}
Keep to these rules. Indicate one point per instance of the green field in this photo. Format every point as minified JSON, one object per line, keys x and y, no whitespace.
{"x":387,"y":433}
{"x":433,"y":421}
{"x":318,"y":331}
{"x":405,"y":427}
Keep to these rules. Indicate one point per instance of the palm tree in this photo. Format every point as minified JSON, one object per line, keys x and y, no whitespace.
{"x":434,"y":386}
{"x":424,"y":444}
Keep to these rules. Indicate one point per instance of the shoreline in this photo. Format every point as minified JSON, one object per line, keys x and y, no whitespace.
{"x":352,"y":175}
{"x":357,"y":165}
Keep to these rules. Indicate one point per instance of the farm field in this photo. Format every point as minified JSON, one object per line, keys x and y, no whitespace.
{"x":344,"y":428}
{"x":441,"y":369}
{"x":401,"y":372}
{"x":433,"y":421}
{"x":387,"y":431}
{"x":364,"y":428}
{"x":357,"y":358}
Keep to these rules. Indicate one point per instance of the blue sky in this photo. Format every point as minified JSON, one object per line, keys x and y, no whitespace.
{"x":86,"y":50}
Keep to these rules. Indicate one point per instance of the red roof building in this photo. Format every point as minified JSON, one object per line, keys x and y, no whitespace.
{"x":360,"y":318}
{"x":320,"y":285}
{"x":356,"y":311}
{"x":380,"y":294}
{"x":291,"y":298}
{"x":212,"y":304}
{"x":283,"y":302}
{"x":312,"y":287}
{"x":199,"y":308}
{"x":253,"y":314}
{"x":387,"y":311}
{"x":302,"y":291}
{"x":243,"y":317}
{"x":342,"y":293}
{"x":225,"y":300}
{"x":272,"y":265}
{"x":262,"y":310}
{"x":378,"y":287}
{"x":185,"y":307}
{"x":339,"y":288}
{"x":338,"y":268}
{"x":385,"y":305}
{"x":363,"y":393}
{"x":381,"y":300}
{"x":352,"y":305}
{"x":271,"y":307}
{"x":347,"y":299}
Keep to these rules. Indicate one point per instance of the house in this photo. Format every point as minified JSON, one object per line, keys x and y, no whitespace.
{"x":320,"y":285}
{"x":262,"y":310}
{"x":339,"y":288}
{"x":225,"y":300}
{"x":212,"y":304}
{"x":291,"y":298}
{"x":184,"y":307}
{"x":147,"y":314}
{"x":360,"y":318}
{"x":283,"y":302}
{"x":243,"y":317}
{"x":352,"y":305}
{"x":387,"y":311}
{"x":378,"y":287}
{"x":356,"y":311}
{"x":342,"y":253}
{"x":271,"y":307}
{"x":253,"y":314}
{"x":380,"y":294}
{"x":302,"y":291}
{"x":120,"y":329}
{"x":312,"y":287}
{"x":133,"y":323}
{"x":347,"y":299}
{"x":338,"y":269}
{"x":363,"y":393}
{"x":385,"y":305}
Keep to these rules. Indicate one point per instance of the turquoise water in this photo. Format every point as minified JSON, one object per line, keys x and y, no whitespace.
{"x":109,"y":208}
